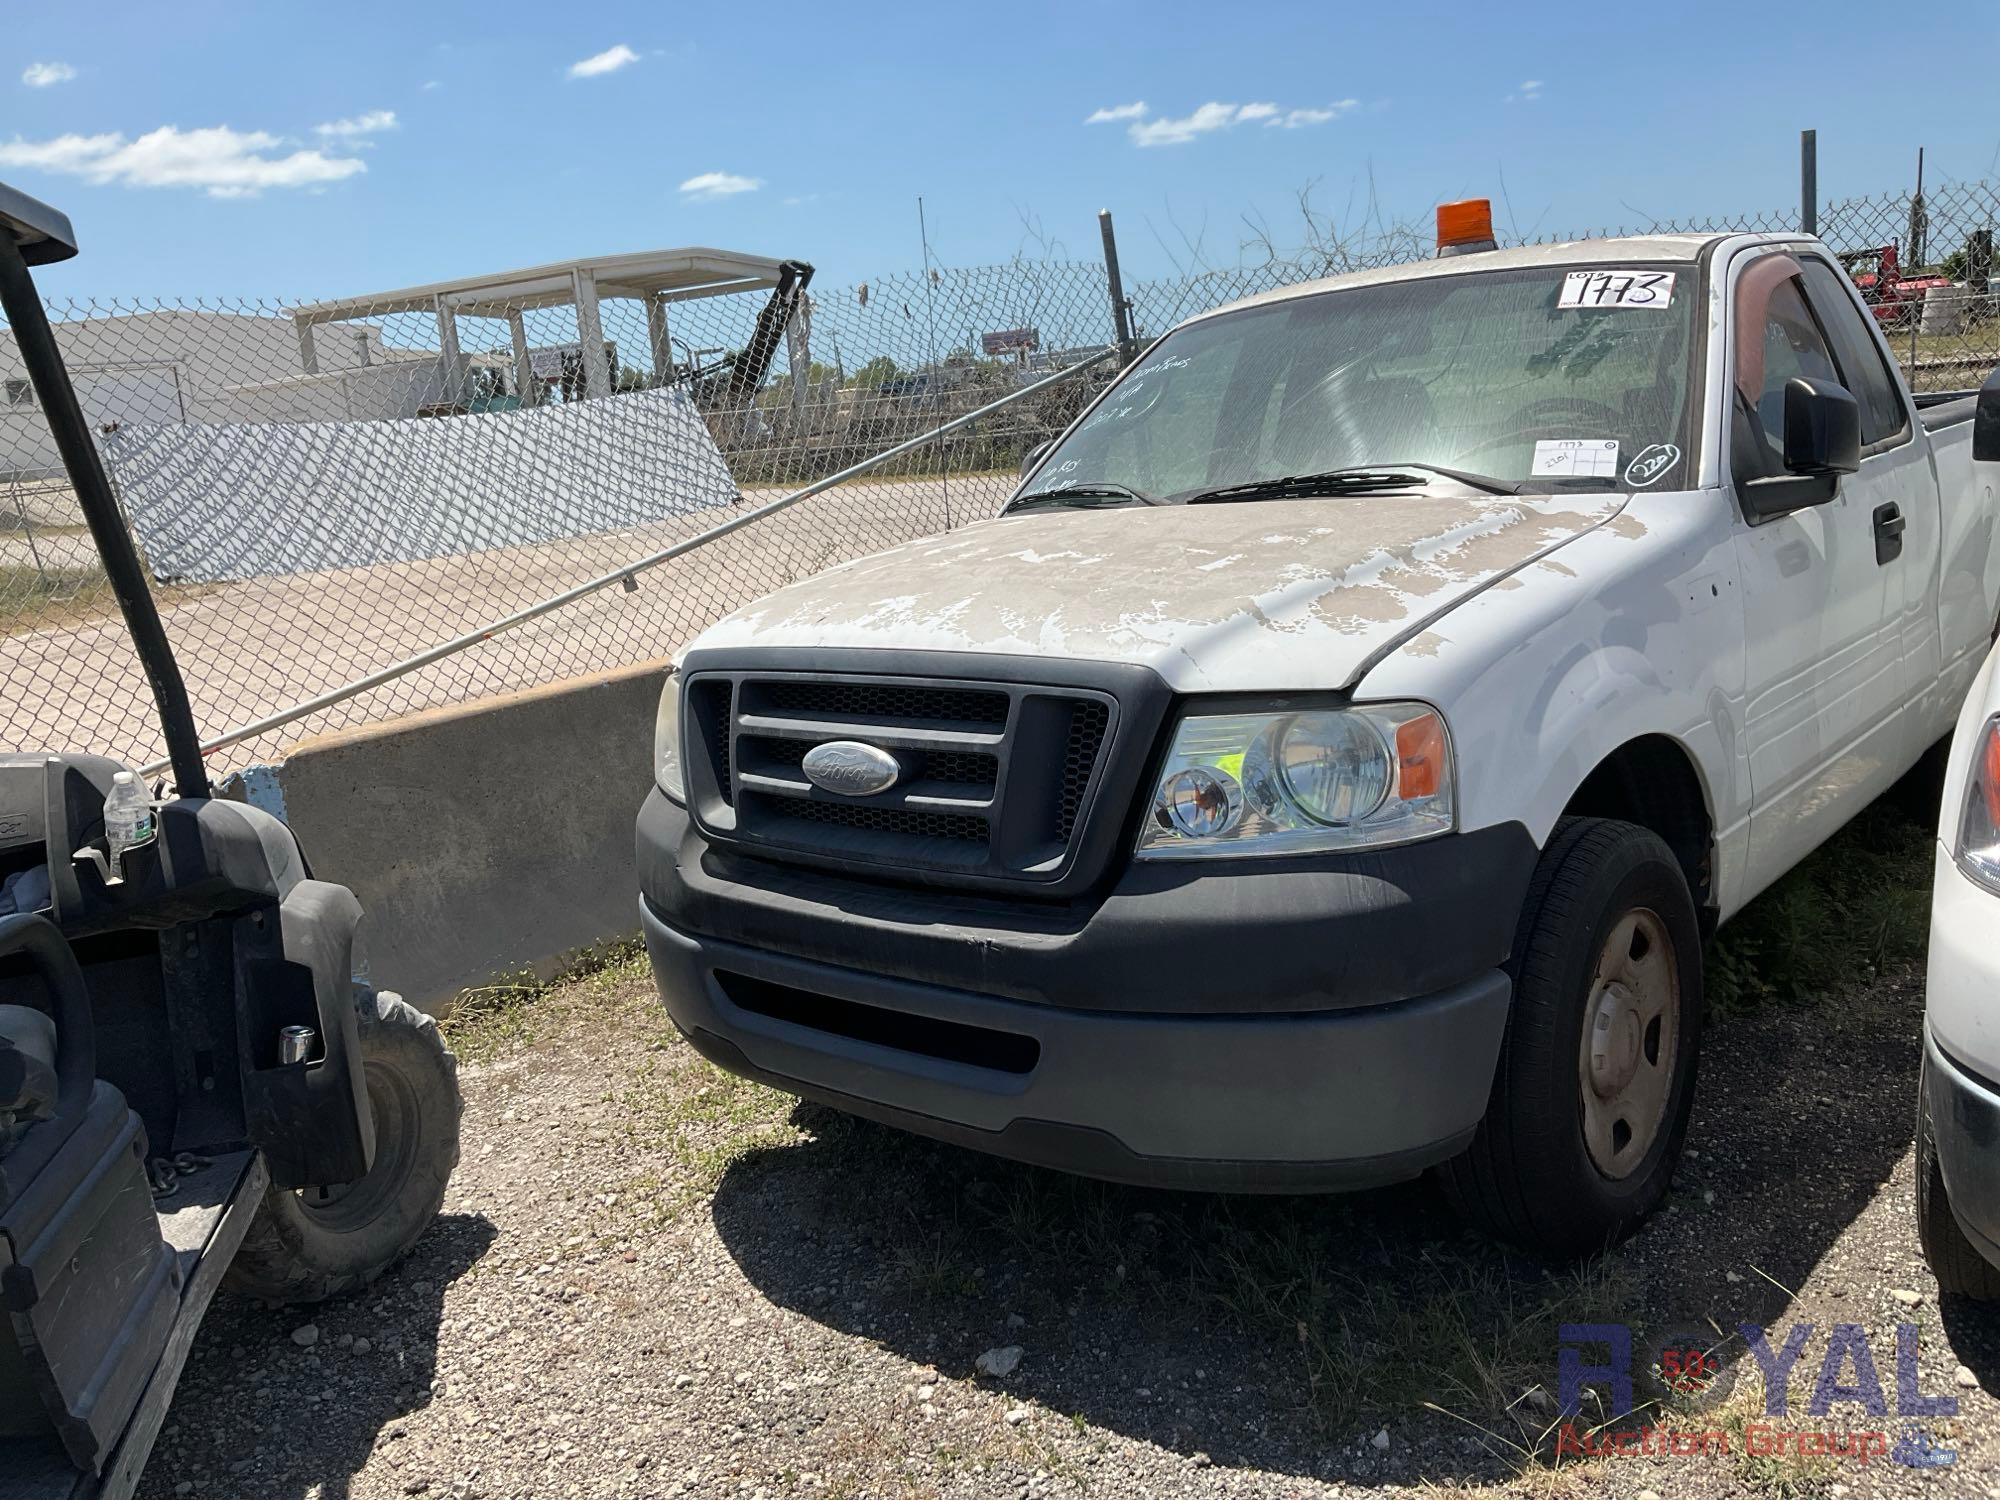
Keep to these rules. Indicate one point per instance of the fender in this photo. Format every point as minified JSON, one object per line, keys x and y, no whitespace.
{"x":1632,"y":630}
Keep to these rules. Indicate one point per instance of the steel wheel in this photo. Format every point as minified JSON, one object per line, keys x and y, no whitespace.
{"x":1625,"y":1062}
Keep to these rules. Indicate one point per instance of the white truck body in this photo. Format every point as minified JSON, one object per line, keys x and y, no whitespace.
{"x":1958,"y":1127}
{"x":1663,"y":651}
{"x":1800,"y":677}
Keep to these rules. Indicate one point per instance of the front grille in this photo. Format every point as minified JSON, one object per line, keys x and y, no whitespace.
{"x":1087,"y":720}
{"x":708,"y":702}
{"x":890,"y":702}
{"x":956,"y":767}
{"x":900,"y":820}
{"x":994,"y":781}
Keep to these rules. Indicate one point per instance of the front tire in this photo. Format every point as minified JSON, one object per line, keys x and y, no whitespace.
{"x":1595,"y":1081}
{"x":306,"y":1245}
{"x":1953,"y":1258}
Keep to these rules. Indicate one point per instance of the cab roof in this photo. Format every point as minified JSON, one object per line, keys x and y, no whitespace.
{"x":1641,"y":247}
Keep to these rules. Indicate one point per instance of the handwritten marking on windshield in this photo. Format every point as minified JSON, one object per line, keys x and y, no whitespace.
{"x":1612,"y":288}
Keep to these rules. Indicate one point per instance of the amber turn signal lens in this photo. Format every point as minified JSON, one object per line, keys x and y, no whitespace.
{"x":1420,"y":753}
{"x":1467,"y":222}
{"x":1987,"y":769}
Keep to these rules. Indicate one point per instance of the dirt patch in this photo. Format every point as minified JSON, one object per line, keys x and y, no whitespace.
{"x":653,"y":1279}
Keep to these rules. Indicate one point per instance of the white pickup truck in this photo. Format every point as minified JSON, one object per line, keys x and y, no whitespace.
{"x":1328,"y":766}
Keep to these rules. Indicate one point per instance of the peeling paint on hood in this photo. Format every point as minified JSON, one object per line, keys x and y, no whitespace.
{"x":1287,"y":595}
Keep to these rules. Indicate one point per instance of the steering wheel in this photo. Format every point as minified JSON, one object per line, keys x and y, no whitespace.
{"x":1536,"y":420}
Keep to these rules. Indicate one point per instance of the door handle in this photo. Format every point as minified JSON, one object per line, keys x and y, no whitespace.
{"x":1890,"y":524}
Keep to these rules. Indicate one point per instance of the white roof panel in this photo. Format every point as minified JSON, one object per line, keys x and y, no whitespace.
{"x":694,"y":271}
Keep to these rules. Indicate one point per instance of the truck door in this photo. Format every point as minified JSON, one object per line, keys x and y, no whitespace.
{"x":1898,"y":469}
{"x":1827,"y":597}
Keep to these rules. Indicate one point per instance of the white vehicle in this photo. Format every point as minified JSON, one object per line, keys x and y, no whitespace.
{"x":1958,"y":1097}
{"x":1327,"y":767}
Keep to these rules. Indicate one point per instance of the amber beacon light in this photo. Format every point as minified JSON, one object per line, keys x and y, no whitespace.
{"x":1465,"y":226}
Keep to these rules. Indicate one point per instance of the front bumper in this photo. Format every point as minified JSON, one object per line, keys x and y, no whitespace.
{"x":1960,"y":1044}
{"x":1965,"y":1122}
{"x":1280,"y":1026}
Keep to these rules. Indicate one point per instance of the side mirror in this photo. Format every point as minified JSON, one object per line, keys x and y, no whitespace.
{"x":1822,"y":441}
{"x":1986,"y":422}
{"x":1035,"y":455}
{"x":1822,"y":428}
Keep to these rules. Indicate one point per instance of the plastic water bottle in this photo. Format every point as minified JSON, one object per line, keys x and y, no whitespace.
{"x":128,"y":816}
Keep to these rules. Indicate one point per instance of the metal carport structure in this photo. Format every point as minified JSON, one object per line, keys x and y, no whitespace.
{"x":652,"y":277}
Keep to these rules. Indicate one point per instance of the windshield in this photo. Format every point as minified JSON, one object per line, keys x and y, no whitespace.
{"x":1515,"y":375}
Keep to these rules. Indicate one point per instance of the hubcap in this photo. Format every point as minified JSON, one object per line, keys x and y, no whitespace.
{"x":1631,"y":1034}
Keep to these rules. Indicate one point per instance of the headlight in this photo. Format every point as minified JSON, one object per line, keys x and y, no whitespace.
{"x":1291,"y":783}
{"x":1979,"y":829}
{"x":667,"y":769}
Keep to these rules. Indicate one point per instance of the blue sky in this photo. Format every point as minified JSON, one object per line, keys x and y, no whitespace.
{"x":294,"y":151}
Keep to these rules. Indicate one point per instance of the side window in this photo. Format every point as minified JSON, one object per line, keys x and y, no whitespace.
{"x":1793,"y":346}
{"x":1861,"y":366}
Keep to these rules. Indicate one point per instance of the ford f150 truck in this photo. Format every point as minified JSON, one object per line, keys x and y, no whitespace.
{"x":1329,"y":764}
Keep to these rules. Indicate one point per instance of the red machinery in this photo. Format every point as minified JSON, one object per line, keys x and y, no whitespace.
{"x":1895,"y":299}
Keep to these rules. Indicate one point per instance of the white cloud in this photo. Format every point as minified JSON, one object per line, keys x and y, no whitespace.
{"x":705,"y":187}
{"x":431,"y":84}
{"x":46,"y":75}
{"x":610,"y":60}
{"x":223,"y":162}
{"x":1297,"y":119}
{"x":1136,"y":110}
{"x":1528,"y":93}
{"x":374,"y":122}
{"x":1167,"y":130}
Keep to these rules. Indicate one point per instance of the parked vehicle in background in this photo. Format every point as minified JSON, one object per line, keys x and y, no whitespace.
{"x":1958,"y":1097}
{"x":1896,"y":300}
{"x":1327,"y":767}
{"x":194,"y":1092}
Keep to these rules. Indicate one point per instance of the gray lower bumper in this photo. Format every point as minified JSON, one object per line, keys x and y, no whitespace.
{"x":1965,"y":1119}
{"x":1275,"y":1103}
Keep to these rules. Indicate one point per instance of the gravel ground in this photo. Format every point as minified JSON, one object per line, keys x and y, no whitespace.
{"x":651,"y":1279}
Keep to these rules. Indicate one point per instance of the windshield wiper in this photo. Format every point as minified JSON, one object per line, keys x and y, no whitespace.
{"x":1099,"y":495}
{"x":1372,"y":479}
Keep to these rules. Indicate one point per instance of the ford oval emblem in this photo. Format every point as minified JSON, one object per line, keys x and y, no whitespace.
{"x":850,"y":768}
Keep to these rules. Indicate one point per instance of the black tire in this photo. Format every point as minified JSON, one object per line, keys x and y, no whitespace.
{"x":1528,"y":1175}
{"x":1959,"y":1267}
{"x":308,"y":1245}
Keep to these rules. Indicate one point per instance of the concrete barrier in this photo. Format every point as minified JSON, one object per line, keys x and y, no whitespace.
{"x":482,"y":839}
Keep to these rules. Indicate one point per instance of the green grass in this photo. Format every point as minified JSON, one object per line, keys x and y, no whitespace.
{"x":1856,"y":907}
{"x":34,"y":598}
{"x":1458,"y":1330}
{"x":1466,"y":1328}
{"x":485,"y":1021}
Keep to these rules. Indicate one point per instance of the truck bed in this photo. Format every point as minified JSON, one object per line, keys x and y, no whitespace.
{"x":1937,"y":409}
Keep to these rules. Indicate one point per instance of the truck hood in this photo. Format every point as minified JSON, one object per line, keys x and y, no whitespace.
{"x":1290,"y":594}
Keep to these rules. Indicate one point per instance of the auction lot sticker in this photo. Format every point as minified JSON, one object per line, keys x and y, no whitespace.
{"x":1615,"y":288}
{"x":1588,"y":458}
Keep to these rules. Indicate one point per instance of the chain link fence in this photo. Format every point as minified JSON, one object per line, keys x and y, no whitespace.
{"x":321,"y":511}
{"x":306,"y":529}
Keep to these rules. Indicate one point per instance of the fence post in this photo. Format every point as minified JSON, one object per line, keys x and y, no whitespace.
{"x":1809,"y":182}
{"x":1121,"y":310}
